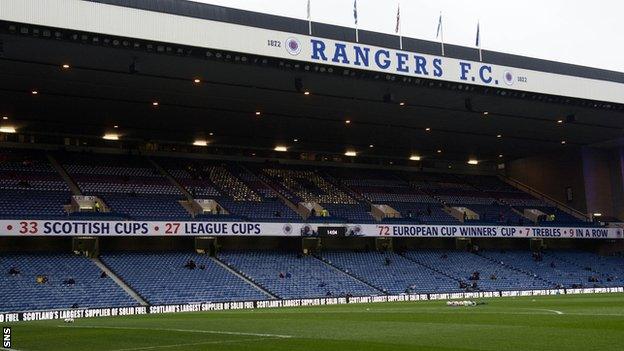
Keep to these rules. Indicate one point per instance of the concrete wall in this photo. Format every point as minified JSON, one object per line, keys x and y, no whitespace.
{"x":617,"y":181}
{"x":551,"y":174}
{"x":595,"y":175}
{"x":599,"y":183}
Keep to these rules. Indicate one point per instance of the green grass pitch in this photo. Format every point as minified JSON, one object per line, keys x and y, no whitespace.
{"x":580,"y":322}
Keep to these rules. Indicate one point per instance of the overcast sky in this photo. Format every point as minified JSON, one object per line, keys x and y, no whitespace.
{"x":584,"y":32}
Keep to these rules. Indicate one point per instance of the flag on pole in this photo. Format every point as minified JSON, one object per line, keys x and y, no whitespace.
{"x":309,"y":14}
{"x":439,"y":26}
{"x":440,"y":33}
{"x":398,"y":20}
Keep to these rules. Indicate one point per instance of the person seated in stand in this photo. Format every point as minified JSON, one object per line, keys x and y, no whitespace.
{"x":387,"y":261}
{"x":429,"y":210}
{"x":474,"y":276}
{"x":493,"y":277}
{"x":190,"y":265}
{"x":41,"y":279}
{"x":14,"y":271}
{"x":313,"y":213}
{"x":282,"y":275}
{"x":288,"y":275}
{"x":103,"y":275}
{"x":277,"y":214}
{"x":328,"y":294}
{"x":69,"y":281}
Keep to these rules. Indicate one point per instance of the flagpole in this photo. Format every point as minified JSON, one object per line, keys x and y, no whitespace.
{"x":400,"y":27}
{"x":479,"y":41}
{"x":309,"y":19}
{"x":355,"y":16}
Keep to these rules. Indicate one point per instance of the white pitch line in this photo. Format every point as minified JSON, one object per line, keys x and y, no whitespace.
{"x":181,"y":331}
{"x":543,"y":309}
{"x":189,"y":344}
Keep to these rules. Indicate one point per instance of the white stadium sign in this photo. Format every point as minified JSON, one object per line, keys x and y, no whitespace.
{"x":148,"y":25}
{"x":138,"y":228}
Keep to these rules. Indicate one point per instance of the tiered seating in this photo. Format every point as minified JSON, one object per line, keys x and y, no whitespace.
{"x":240,"y":192}
{"x":497,"y":214}
{"x":508,"y":195}
{"x":456,"y":191}
{"x":190,"y":178}
{"x":384,"y":188}
{"x":22,"y":292}
{"x":299,"y":184}
{"x":493,"y":276}
{"x":397,"y":276}
{"x":161,"y":278}
{"x":129,"y":185}
{"x":30,"y":188}
{"x":302,"y":276}
{"x":134,"y":189}
{"x":248,"y":197}
{"x":550,"y":268}
{"x":609,"y":270}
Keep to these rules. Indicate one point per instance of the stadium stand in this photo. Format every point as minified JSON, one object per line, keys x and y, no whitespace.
{"x":491,"y":276}
{"x":164,"y":277}
{"x":30,"y":188}
{"x":134,"y":188}
{"x":129,"y":185}
{"x":391,"y":272}
{"x":22,"y":292}
{"x":167,"y":277}
{"x":302,"y":184}
{"x":290,"y":275}
{"x":552,"y":268}
{"x":243,"y":195}
{"x":385,"y":188}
